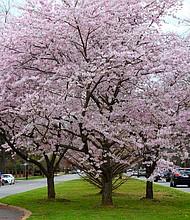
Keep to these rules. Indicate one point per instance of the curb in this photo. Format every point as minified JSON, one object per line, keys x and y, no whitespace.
{"x":25,"y":212}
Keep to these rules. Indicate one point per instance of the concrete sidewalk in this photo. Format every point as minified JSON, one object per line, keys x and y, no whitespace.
{"x":13,"y":213}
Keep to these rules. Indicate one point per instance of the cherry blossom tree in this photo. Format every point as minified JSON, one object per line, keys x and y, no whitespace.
{"x":75,"y":75}
{"x":165,"y":101}
{"x":47,"y":159}
{"x":179,"y":108}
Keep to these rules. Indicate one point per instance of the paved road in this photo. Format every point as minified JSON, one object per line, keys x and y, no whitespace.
{"x":167,"y":184}
{"x":26,"y":185}
{"x":12,"y":213}
{"x":181,"y":188}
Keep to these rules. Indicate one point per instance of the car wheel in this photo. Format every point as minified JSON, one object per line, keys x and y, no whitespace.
{"x":175,"y":184}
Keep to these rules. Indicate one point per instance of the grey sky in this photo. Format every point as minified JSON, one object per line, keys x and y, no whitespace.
{"x":174,"y":25}
{"x":170,"y":25}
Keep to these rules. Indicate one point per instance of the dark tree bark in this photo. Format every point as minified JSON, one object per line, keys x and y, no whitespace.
{"x":149,"y":190}
{"x":149,"y":184}
{"x":3,"y":159}
{"x":50,"y":186}
{"x":26,"y":171}
{"x":107,"y":190}
{"x":107,"y":183}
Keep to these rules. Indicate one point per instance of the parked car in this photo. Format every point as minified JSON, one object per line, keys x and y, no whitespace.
{"x":135,"y":173}
{"x":180,"y":177}
{"x":159,"y":176}
{"x":8,"y":178}
{"x":141,"y":172}
{"x":130,"y":172}
{"x":163,"y":175}
{"x":75,"y":171}
{"x":167,"y":175}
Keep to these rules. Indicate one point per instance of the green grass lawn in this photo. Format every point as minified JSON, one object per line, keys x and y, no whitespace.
{"x":84,"y":203}
{"x":30,"y":178}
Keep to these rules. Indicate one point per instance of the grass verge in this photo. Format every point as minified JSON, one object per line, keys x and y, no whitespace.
{"x":84,"y":203}
{"x":30,"y":178}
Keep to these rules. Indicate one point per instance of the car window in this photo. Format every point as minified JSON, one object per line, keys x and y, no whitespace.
{"x":6,"y":175}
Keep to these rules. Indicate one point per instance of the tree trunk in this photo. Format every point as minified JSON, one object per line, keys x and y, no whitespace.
{"x":51,"y":188}
{"x":107,"y":182}
{"x":149,"y":190}
{"x":149,"y":184}
{"x":3,"y":161}
{"x":107,"y":187}
{"x":26,"y":171}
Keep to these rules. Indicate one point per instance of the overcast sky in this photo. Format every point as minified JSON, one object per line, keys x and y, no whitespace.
{"x":174,"y":25}
{"x":170,"y":25}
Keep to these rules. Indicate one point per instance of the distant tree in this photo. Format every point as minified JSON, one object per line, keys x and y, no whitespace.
{"x":7,"y":8}
{"x":47,"y":161}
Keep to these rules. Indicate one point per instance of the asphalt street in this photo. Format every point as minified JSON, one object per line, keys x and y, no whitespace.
{"x":167,"y":184}
{"x":13,"y":213}
{"x":27,"y":185}
{"x":181,"y":188}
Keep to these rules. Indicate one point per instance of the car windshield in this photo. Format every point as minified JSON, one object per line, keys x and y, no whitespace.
{"x":142,"y":170}
{"x":6,"y":175}
{"x":183,"y":172}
